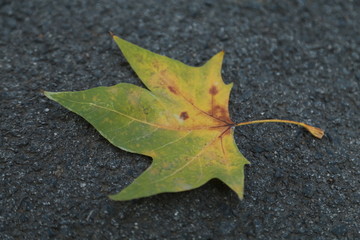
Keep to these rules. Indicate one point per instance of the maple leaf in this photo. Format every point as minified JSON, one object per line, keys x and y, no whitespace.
{"x":181,"y":121}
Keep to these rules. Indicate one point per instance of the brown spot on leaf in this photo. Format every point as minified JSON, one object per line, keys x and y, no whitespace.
{"x":219,"y":111}
{"x":184,"y":115}
{"x":172,"y":89}
{"x":213,"y":90}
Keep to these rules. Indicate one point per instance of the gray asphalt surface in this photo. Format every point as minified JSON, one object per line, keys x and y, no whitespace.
{"x":297,"y":60}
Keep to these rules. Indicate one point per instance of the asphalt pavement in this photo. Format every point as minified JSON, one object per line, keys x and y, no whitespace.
{"x":297,"y":60}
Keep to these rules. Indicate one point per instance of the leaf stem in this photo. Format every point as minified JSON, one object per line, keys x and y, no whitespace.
{"x":316,"y":132}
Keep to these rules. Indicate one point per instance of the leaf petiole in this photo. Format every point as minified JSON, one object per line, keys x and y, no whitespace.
{"x":316,"y":132}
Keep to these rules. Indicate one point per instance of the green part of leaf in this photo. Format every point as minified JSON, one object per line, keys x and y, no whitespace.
{"x":182,"y":122}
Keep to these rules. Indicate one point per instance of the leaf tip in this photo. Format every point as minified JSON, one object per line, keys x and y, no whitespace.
{"x":221,"y":54}
{"x":113,"y":197}
{"x":119,"y":41}
{"x":120,"y":197}
{"x":115,"y":38}
{"x":46,"y":93}
{"x":49,"y":94}
{"x":240,"y":193}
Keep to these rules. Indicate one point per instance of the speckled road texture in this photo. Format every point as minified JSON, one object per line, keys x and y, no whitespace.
{"x":297,"y":60}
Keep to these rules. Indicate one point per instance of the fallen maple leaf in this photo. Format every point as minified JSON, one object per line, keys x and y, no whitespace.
{"x":182,"y":121}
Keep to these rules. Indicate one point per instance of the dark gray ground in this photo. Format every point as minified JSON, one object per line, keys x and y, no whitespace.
{"x":298,"y":60}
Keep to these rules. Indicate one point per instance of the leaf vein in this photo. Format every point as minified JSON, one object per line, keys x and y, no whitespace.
{"x":141,"y":137}
{"x":142,"y":121}
{"x":190,"y":161}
